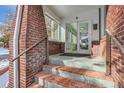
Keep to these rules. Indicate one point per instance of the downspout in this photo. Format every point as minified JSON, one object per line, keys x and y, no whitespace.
{"x":15,"y":45}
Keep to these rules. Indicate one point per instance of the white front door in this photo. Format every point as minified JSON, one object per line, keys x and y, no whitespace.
{"x":84,"y":37}
{"x":78,"y":37}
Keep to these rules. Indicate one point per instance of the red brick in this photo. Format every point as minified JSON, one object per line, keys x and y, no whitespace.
{"x":115,"y":24}
{"x":32,"y":30}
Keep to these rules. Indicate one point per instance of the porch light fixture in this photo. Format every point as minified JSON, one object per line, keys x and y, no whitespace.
{"x":76,"y":18}
{"x":95,"y":26}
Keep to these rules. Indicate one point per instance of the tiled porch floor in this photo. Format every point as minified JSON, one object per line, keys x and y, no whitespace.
{"x":91,"y":63}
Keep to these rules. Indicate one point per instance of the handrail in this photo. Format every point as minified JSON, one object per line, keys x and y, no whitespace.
{"x":26,"y":50}
{"x":119,"y":45}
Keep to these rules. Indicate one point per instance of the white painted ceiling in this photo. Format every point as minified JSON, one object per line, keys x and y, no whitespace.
{"x":67,"y":10}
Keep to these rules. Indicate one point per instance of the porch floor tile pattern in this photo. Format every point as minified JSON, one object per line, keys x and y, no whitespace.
{"x":35,"y":85}
{"x":91,"y":63}
{"x":81,"y":71}
{"x":64,"y":82}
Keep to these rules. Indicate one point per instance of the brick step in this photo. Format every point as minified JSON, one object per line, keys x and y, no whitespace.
{"x":84,"y":75}
{"x":35,"y":85}
{"x":95,"y":64}
{"x":56,"y":81}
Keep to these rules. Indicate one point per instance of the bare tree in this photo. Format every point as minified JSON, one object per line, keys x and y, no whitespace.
{"x":8,"y":22}
{"x":1,"y":30}
{"x":7,"y":27}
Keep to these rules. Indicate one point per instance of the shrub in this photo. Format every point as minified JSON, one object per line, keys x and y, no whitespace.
{"x":1,"y":39}
{"x":6,"y":40}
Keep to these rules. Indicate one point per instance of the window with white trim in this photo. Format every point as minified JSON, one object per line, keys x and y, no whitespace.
{"x":54,"y":29}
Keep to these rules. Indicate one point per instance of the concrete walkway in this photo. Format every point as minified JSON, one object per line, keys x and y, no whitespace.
{"x":91,"y":63}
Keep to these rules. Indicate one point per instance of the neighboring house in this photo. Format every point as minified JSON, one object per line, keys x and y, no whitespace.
{"x":83,"y":33}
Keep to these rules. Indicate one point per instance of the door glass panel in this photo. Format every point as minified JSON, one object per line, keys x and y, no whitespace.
{"x":71,"y":37}
{"x":83,"y":36}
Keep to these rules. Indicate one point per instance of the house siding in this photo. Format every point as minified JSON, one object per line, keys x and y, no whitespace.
{"x":115,"y":24}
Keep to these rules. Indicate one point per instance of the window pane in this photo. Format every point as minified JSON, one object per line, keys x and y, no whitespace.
{"x":71,"y":37}
{"x":53,"y":29}
{"x":62,"y":34}
{"x":48,"y":26}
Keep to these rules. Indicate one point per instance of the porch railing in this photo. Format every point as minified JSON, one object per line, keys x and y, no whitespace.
{"x":34,"y":45}
{"x":26,"y":50}
{"x":110,"y":37}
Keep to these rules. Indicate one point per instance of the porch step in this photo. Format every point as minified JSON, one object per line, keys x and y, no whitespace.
{"x":80,"y":74}
{"x":35,"y":85}
{"x":95,"y":64}
{"x":56,"y":81}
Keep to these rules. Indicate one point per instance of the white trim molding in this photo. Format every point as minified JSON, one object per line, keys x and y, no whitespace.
{"x":15,"y":45}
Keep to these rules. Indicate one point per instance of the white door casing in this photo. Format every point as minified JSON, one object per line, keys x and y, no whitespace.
{"x":89,"y":29}
{"x":80,"y":51}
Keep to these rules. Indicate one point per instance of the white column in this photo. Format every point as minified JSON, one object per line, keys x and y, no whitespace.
{"x":15,"y":45}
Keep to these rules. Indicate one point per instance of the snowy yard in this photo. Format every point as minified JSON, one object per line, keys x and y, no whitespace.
{"x":4,"y":63}
{"x":4,"y":78}
{"x":4,"y":51}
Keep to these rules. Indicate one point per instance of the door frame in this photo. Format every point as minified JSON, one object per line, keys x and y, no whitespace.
{"x":89,"y":36}
{"x":66,"y":51}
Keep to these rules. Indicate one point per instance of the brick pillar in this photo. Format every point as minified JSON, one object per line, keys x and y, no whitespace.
{"x":115,"y":24}
{"x":11,"y":55}
{"x":10,"y":59}
{"x":32,"y":30}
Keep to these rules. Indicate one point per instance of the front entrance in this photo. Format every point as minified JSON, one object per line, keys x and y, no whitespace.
{"x":78,"y":37}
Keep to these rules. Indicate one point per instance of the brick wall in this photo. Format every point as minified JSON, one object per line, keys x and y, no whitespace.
{"x":99,"y":48}
{"x":102,"y":47}
{"x":10,"y":59}
{"x":32,"y":30}
{"x":95,"y":46}
{"x":11,"y":55}
{"x":56,"y":47}
{"x":115,"y":24}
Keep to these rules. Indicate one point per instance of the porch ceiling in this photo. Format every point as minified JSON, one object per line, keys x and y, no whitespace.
{"x":67,"y":10}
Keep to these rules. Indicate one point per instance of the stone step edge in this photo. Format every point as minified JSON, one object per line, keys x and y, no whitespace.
{"x":54,"y":84}
{"x":54,"y":61}
{"x":60,"y":67}
{"x":36,"y":85}
{"x":74,"y":76}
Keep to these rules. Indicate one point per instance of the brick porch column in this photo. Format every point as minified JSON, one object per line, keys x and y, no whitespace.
{"x":115,"y":24}
{"x":32,"y":30}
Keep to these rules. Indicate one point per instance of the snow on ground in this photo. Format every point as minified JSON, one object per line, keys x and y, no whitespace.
{"x":4,"y":51}
{"x":4,"y":78}
{"x":4,"y":63}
